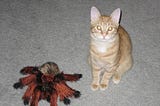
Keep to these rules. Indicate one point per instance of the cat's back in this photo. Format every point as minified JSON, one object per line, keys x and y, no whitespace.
{"x":125,"y":42}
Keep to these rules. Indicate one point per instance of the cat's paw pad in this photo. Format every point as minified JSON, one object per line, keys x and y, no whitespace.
{"x":94,"y":87}
{"x":116,"y":79}
{"x":103,"y":87}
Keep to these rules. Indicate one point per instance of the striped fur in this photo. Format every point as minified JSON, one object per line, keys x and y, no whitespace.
{"x":110,"y":49}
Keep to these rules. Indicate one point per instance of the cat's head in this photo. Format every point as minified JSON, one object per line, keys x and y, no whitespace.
{"x":104,"y":27}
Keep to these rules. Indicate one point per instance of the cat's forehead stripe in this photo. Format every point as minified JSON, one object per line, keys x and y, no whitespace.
{"x":105,"y":19}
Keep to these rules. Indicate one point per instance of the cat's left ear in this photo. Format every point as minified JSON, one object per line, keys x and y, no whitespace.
{"x":116,"y":14}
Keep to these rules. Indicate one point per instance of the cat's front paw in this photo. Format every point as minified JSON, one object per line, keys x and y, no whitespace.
{"x":94,"y":87}
{"x":103,"y":87}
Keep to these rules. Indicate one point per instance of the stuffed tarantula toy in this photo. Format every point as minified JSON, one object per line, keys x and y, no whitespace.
{"x":48,"y":83}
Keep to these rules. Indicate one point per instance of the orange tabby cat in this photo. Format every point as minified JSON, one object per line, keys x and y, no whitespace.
{"x":110,"y":49}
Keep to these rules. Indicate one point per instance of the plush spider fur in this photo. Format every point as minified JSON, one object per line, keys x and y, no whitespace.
{"x":48,"y":83}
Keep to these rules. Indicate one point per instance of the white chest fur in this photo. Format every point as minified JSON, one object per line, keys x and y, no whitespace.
{"x":102,"y":46}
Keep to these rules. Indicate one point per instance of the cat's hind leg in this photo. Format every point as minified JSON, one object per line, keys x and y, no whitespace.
{"x":123,"y":67}
{"x":117,"y":77}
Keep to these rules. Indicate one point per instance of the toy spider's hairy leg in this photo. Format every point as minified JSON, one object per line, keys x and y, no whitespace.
{"x":28,"y":70}
{"x":77,"y":94}
{"x":48,"y":99}
{"x":64,"y":91}
{"x":72,"y":77}
{"x":26,"y":102}
{"x":53,"y":99}
{"x":17,"y":85}
{"x":45,"y":95}
{"x":66,"y":101}
{"x":27,"y":80}
{"x":35,"y":97}
{"x":46,"y":91}
{"x":24,"y":81}
{"x":29,"y":92}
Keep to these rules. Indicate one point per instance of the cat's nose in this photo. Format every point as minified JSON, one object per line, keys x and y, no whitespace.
{"x":104,"y":34}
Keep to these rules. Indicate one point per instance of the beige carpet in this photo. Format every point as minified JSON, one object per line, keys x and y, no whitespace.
{"x":35,"y":31}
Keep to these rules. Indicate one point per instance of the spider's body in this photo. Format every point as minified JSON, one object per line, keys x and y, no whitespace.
{"x":46,"y":82}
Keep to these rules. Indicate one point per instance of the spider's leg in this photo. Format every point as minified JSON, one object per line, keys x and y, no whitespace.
{"x":66,"y":101}
{"x":35,"y":97}
{"x":25,"y":102}
{"x":72,"y":77}
{"x":53,"y":99}
{"x":28,"y":70}
{"x":63,"y":90}
{"x":77,"y":94}
{"x":27,"y":80}
{"x":48,"y":99}
{"x":17,"y":85}
{"x":29,"y":92}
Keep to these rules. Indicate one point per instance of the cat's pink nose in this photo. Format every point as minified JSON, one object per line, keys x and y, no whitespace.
{"x":103,"y":34}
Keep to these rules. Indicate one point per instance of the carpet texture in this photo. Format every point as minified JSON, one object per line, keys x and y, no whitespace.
{"x":36,"y":31}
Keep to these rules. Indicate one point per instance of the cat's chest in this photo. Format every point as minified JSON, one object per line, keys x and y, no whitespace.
{"x":102,"y":47}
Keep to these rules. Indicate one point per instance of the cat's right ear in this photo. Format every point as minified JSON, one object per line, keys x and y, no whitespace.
{"x":95,"y":14}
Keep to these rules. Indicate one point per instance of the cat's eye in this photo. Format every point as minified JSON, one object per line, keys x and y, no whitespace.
{"x":98,"y":28}
{"x":110,"y":29}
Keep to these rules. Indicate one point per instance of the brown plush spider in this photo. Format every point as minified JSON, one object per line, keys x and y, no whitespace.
{"x":47,"y":82}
